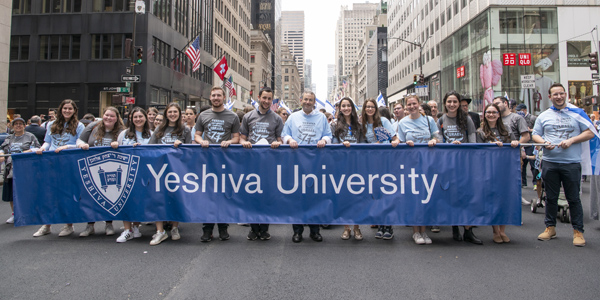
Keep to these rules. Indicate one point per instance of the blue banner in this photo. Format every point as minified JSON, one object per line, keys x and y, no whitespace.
{"x":477,"y":184}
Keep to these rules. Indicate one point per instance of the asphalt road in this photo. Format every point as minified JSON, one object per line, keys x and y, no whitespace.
{"x":96,"y":267}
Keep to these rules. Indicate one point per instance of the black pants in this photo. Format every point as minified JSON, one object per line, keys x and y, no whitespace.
{"x":259,"y":227}
{"x":299,"y":228}
{"x":211,"y":226}
{"x":526,"y":161}
{"x":569,"y":175}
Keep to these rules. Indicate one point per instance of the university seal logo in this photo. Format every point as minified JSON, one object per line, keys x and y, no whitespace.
{"x":109,"y":177}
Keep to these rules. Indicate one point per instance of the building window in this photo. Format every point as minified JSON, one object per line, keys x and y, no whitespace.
{"x":162,"y":52}
{"x":60,"y":47}
{"x":19,"y":48}
{"x":181,"y":20}
{"x":21,"y":7}
{"x":60,"y":6}
{"x":252,"y":59}
{"x":455,"y":7}
{"x":443,"y":18}
{"x":162,"y":10}
{"x":286,"y":78}
{"x":109,"y":46}
{"x":110,"y":5}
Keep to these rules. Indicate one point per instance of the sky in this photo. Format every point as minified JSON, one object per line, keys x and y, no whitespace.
{"x":320,"y":17}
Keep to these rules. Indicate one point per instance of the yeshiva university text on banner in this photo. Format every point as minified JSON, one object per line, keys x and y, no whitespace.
{"x":477,"y":184}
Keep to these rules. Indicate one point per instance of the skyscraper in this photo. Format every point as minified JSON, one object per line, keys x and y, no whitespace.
{"x":308,"y":74}
{"x":292,"y":29}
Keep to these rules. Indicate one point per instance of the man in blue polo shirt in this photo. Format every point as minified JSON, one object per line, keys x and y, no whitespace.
{"x":306,"y":127}
{"x":563,"y":133}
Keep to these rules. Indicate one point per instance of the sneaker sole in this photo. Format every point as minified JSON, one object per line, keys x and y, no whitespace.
{"x":552,"y":237}
{"x":388,"y":237}
{"x":160,"y":241}
{"x":579,"y":245}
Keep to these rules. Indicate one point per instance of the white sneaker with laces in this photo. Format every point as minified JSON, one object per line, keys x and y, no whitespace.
{"x":42,"y":231}
{"x":175,"y":233}
{"x":426,"y":238}
{"x":158,"y":237}
{"x":136,"y":232}
{"x":418,"y":238}
{"x":109,"y":229}
{"x":126,"y":235}
{"x":89,"y":229}
{"x":66,"y":230}
{"x":11,"y":220}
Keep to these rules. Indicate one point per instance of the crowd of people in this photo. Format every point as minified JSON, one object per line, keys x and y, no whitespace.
{"x":413,"y":122}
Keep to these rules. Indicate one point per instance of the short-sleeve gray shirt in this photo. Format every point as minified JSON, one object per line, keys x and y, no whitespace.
{"x":516,"y":125}
{"x":258,"y":126}
{"x":217,"y":126}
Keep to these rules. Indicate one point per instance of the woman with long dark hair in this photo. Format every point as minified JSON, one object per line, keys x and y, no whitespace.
{"x":61,"y":134}
{"x":347,"y":130}
{"x":137,"y":133}
{"x":456,"y":127}
{"x":493,"y":131}
{"x":371,"y":123}
{"x":152,"y":113}
{"x":171,"y":131}
{"x":419,"y":128}
{"x":103,"y":134}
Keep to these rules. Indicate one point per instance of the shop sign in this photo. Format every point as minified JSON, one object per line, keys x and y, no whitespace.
{"x":460,"y":72}
{"x":528,"y":81}
{"x":509,"y":59}
{"x":524,"y":59}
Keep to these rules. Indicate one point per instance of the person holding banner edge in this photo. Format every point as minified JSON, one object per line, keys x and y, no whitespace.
{"x":306,"y":127}
{"x":61,"y":133}
{"x":217,"y":126}
{"x":456,"y":127}
{"x":347,"y":130}
{"x":417,"y":128}
{"x":493,"y":131}
{"x":258,"y":126}
{"x":563,"y":128}
{"x":171,"y":131}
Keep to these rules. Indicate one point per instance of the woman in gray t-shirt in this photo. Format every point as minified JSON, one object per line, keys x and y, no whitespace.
{"x":493,"y":131}
{"x":171,"y":131}
{"x":103,"y":133}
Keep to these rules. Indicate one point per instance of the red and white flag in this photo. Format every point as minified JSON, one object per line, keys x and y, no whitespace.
{"x":221,"y":68}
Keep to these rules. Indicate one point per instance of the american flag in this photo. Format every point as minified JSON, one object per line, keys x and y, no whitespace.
{"x":193,"y":52}
{"x":275,"y":105}
{"x":229,"y":85}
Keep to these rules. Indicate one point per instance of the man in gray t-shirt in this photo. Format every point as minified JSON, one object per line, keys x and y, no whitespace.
{"x":514,"y":123}
{"x":218,"y":125}
{"x":261,"y":124}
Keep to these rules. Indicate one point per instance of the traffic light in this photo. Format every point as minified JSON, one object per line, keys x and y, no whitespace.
{"x":593,"y":61}
{"x":140,"y":55}
{"x":422,"y":79}
{"x":415,"y":79}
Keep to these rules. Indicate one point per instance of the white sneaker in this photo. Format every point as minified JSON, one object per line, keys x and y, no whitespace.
{"x":125,"y":236}
{"x":136,"y":232}
{"x":89,"y":229}
{"x":42,"y":231}
{"x":158,"y":237}
{"x":426,"y":238}
{"x":525,"y":202}
{"x":66,"y":230}
{"x":418,"y":238}
{"x":11,"y":220}
{"x":109,"y":229}
{"x":175,"y":233}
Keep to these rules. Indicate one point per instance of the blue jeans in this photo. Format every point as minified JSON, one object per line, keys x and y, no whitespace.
{"x":569,"y":175}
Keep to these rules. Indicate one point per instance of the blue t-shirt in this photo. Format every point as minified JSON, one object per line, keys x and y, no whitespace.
{"x":419,"y":130}
{"x":370,"y":135}
{"x":307,"y":129}
{"x":59,"y":140}
{"x":555,"y":127}
{"x":124,"y":140}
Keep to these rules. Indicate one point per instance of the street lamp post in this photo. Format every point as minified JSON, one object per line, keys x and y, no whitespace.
{"x":420,"y":45}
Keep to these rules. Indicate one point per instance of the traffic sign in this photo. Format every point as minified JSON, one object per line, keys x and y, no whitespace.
{"x":596,"y":82}
{"x":130,"y":100}
{"x":118,"y":89}
{"x":528,"y":81}
{"x":131,"y":78}
{"x":595,"y":75}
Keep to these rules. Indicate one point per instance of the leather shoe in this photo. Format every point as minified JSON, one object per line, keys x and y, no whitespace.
{"x":470,"y":237}
{"x":297,"y":238}
{"x":456,"y":234}
{"x":316,"y":237}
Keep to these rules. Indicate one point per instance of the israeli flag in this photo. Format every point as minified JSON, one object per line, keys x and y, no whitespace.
{"x":282,"y":104}
{"x":380,"y":100}
{"x":326,"y":105}
{"x":590,"y":160}
{"x":229,"y":104}
{"x":254,"y":103}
